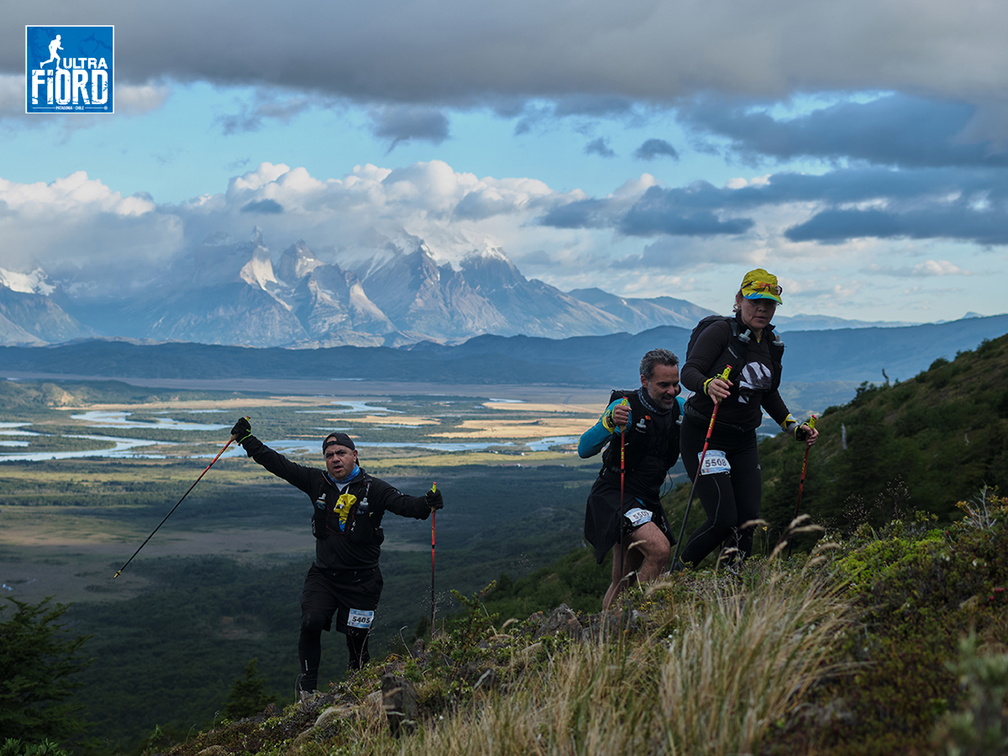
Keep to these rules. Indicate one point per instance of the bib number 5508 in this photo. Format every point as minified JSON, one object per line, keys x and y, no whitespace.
{"x":715,"y":462}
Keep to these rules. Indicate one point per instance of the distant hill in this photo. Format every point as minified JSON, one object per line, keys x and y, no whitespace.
{"x":832,"y":362}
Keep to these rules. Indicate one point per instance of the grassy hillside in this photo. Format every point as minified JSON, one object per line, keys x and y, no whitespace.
{"x":886,"y":636}
{"x":890,"y":641}
{"x":165,"y":657}
{"x":909,"y":563}
{"x":219,"y":583}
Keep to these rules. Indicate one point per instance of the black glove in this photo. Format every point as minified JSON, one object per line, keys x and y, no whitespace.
{"x":434,"y":499}
{"x":801,"y":433}
{"x":242,"y":429}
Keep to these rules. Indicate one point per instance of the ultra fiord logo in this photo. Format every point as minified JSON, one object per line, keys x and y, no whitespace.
{"x":68,"y":69}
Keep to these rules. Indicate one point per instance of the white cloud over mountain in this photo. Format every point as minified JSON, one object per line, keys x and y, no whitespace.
{"x":645,"y":147}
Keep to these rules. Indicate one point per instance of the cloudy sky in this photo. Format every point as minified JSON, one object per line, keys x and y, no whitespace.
{"x":857,"y":149}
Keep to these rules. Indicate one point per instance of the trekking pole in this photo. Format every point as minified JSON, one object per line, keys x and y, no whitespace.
{"x":622,"y":488}
{"x":119,"y":572}
{"x":801,"y":483}
{"x":433,"y":540}
{"x":703,"y":453}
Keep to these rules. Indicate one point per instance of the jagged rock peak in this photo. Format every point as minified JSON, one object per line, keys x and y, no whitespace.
{"x":296,"y":262}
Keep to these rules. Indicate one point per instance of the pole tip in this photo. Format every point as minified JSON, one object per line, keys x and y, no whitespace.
{"x":117,"y":574}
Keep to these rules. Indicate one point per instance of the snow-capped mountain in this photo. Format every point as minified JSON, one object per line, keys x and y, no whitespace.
{"x":29,"y":316}
{"x":241,"y":293}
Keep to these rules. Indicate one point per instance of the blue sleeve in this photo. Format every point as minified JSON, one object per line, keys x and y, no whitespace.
{"x":593,"y":439}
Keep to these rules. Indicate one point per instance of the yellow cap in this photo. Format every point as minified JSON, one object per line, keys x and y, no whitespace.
{"x":758,"y":284}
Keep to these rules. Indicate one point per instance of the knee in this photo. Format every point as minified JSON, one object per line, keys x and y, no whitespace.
{"x":661,"y":550}
{"x":652,"y":543}
{"x":312,"y":623}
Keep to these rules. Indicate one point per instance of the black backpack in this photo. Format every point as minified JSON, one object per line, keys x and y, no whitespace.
{"x":734,"y":354}
{"x":635,"y":450}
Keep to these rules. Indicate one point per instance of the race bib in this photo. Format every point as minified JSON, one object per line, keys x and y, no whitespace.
{"x":638,"y":516}
{"x":714,"y":462}
{"x":360,"y":618}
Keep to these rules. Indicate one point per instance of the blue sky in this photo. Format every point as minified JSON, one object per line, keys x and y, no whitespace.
{"x":857,"y":150}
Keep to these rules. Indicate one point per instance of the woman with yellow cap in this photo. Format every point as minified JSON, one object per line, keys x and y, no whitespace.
{"x":730,"y":486}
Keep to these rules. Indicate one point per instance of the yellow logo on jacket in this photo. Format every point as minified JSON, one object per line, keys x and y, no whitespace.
{"x":342,"y":508}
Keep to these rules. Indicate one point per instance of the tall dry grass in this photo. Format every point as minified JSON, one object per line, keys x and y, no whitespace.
{"x":745,"y":658}
{"x":728,"y":659}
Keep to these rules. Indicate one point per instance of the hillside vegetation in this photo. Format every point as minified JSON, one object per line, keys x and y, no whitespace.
{"x":915,"y":445}
{"x":888,"y":636}
{"x":883,"y":632}
{"x":889,"y":642}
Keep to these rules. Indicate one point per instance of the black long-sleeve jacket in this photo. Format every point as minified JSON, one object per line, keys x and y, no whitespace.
{"x":756,"y":380}
{"x":346,"y":518}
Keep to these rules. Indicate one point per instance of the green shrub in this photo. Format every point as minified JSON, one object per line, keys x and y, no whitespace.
{"x":980,"y":725}
{"x":38,"y":659}
{"x":14,"y":747}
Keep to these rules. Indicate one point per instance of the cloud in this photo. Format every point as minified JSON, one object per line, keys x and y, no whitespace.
{"x":926,"y":269}
{"x":138,"y":99}
{"x":830,"y":208}
{"x":266,"y":207}
{"x":265,"y":106}
{"x":466,"y":54}
{"x":664,"y":234}
{"x":403,"y":123}
{"x":502,"y":197}
{"x":599,"y":147}
{"x":693,"y":211}
{"x":62,"y":223}
{"x":653,"y":148}
{"x":587,"y":213}
{"x":129,"y":100}
{"x":77,"y":218}
{"x":683,"y":254}
{"x":936,"y":221}
{"x":12,"y":95}
{"x":893,"y":129}
{"x":691,"y":224}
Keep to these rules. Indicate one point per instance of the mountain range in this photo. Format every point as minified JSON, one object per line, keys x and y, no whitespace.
{"x":233,"y":293}
{"x":821,"y":368}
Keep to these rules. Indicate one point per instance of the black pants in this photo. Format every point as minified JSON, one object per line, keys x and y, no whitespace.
{"x":729,"y":499}
{"x":351,"y":597}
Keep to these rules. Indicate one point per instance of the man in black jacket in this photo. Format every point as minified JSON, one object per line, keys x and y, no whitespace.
{"x":640,"y":432}
{"x":344,"y":581}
